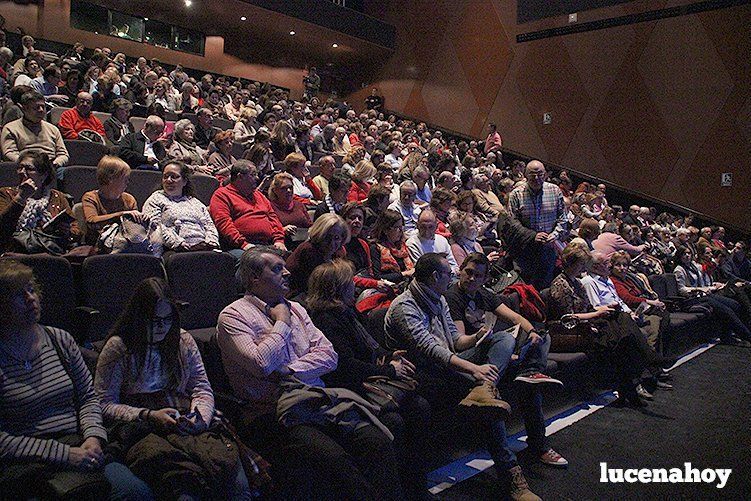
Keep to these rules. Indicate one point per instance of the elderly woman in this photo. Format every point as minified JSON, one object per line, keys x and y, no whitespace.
{"x":51,"y":418}
{"x":118,"y":126}
{"x":244,"y":131}
{"x":326,"y":239}
{"x":109,"y":202}
{"x":282,"y":140}
{"x":331,"y":300}
{"x":221,"y":160}
{"x":464,"y":238}
{"x":33,"y":203}
{"x":185,"y":149}
{"x":150,"y":378}
{"x":292,"y":213}
{"x":187,"y":102}
{"x":184,"y":222}
{"x":617,"y":336}
{"x":364,"y":172}
{"x":296,"y":165}
{"x":391,"y":257}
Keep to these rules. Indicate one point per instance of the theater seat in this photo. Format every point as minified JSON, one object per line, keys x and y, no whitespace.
{"x":56,"y":112}
{"x":237,"y":150}
{"x":143,"y":183}
{"x":85,"y":152}
{"x":77,"y":180}
{"x":108,"y":281}
{"x":204,"y":186}
{"x":223,"y":123}
{"x":8,"y":174}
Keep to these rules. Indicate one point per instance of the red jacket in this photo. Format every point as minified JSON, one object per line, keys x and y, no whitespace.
{"x":531,"y":306}
{"x":358,"y":192}
{"x":628,"y":292}
{"x":71,"y":123}
{"x":242,"y":220}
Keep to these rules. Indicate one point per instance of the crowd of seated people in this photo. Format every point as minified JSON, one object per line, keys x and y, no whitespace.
{"x":345,"y":216}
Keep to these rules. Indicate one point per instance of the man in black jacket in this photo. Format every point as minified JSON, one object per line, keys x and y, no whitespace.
{"x":205,"y":130}
{"x":142,"y":149}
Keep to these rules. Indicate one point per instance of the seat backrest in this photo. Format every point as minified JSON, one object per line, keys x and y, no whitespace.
{"x":85,"y":152}
{"x":55,"y":114}
{"x":204,"y":186}
{"x":8,"y":174}
{"x":101,"y":115}
{"x":237,"y":150}
{"x":137,"y":122}
{"x":108,"y":282}
{"x":223,"y":123}
{"x":77,"y":180}
{"x":205,"y":280}
{"x":143,"y":183}
{"x":665,"y":285}
{"x":375,"y":325}
{"x":58,"y":296}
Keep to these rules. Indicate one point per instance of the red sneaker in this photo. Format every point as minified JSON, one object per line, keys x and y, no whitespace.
{"x":537,"y":378}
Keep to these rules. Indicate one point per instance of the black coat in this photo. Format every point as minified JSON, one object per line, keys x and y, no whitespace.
{"x":357,"y":361}
{"x":113,"y":130}
{"x":132,"y":147}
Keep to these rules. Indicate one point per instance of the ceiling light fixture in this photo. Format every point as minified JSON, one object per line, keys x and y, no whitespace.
{"x":243,"y":18}
{"x":188,"y":3}
{"x":291,"y":32}
{"x":335,"y":45}
{"x":145,"y":18}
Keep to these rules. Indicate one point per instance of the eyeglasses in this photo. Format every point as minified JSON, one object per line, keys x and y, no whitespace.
{"x":27,"y":168}
{"x":157,"y":320}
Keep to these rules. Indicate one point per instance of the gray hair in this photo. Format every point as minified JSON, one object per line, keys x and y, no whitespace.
{"x":253,"y":261}
{"x":6,"y":52}
{"x":153,"y":122}
{"x":407,"y":184}
{"x":181,"y":125}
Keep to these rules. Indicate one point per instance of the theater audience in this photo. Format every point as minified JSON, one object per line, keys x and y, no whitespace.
{"x":184,"y":222}
{"x":406,"y":207}
{"x":150,"y":375}
{"x":296,"y":165}
{"x":32,"y":133}
{"x":292,"y":213}
{"x":339,"y":187}
{"x":243,"y":130}
{"x":392,"y":254}
{"x":243,"y":216}
{"x":263,"y":339}
{"x":117,"y":126}
{"x":51,"y":418}
{"x":185,"y":149}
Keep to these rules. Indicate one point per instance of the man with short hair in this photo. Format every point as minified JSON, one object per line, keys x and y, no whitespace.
{"x":264,"y":339}
{"x":326,"y":166}
{"x":426,"y":240}
{"x":339,"y":186}
{"x":406,"y":207}
{"x":243,"y":216}
{"x":78,"y":119}
{"x":469,"y":303}
{"x":142,"y":149}
{"x":32,"y":133}
{"x":205,"y":130}
{"x":324,"y":142}
{"x":737,"y":267}
{"x":632,"y":218}
{"x":538,"y":205}
{"x":47,"y":83}
{"x":450,"y":365}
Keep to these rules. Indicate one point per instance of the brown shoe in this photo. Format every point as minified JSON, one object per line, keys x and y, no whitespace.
{"x":486,"y":396}
{"x":519,"y":487}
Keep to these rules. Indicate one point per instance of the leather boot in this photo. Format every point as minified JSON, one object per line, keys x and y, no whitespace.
{"x":519,"y":488}
{"x":486,"y":396}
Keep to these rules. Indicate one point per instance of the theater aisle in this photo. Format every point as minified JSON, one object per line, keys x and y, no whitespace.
{"x":705,"y":421}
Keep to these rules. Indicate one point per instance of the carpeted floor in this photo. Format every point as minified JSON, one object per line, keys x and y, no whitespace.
{"x":706,"y":421}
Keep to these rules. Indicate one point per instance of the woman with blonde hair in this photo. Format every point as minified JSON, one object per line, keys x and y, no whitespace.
{"x":292,"y":213}
{"x":297,"y":166}
{"x":282,"y":140}
{"x":244,"y":131}
{"x":109,"y":202}
{"x":364,"y":172}
{"x":326,"y":239}
{"x":350,"y":160}
{"x":221,"y":160}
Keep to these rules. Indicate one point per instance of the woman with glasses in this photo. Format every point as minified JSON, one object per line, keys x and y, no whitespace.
{"x":153,"y":388}
{"x":33,"y":203}
{"x":183,"y":220}
{"x":51,"y":419}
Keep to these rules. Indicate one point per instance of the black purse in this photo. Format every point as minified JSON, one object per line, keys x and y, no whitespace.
{"x":388,"y":394}
{"x":35,"y":241}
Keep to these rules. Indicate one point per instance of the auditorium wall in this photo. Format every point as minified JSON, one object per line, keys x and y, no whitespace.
{"x":52,"y":21}
{"x":660,"y":107}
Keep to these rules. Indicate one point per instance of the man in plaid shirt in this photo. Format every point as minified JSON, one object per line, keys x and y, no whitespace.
{"x":539,"y":206}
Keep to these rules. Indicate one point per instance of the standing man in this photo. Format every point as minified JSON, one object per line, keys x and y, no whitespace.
{"x":312,"y":83}
{"x":539,"y":206}
{"x":374,"y":101}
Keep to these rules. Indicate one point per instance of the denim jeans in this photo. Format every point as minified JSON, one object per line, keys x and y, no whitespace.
{"x":125,"y":485}
{"x":496,"y":350}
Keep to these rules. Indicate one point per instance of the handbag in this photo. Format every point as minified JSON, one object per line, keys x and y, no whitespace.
{"x":569,"y":335}
{"x":128,"y":237}
{"x":35,"y":241}
{"x":501,"y":278}
{"x":388,"y":394}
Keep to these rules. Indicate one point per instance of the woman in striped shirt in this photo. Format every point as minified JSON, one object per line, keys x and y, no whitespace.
{"x":50,"y":416}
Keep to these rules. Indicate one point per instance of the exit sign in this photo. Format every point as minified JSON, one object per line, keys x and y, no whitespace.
{"x":726,"y":179}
